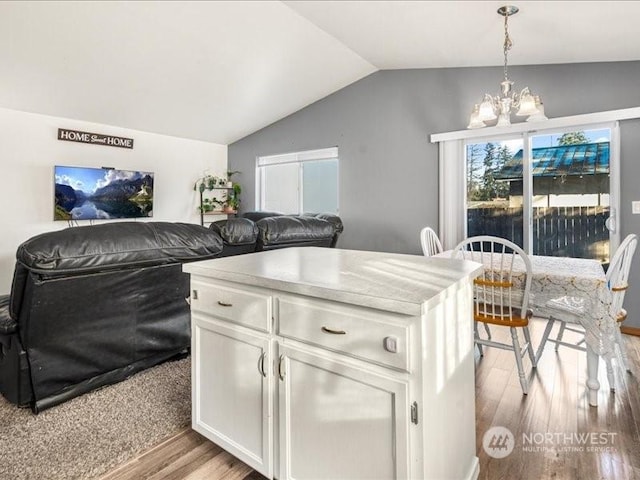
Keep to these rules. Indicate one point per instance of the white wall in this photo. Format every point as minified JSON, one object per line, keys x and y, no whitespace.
{"x":29,"y":149}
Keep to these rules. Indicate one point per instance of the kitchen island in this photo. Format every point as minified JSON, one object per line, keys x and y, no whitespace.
{"x":320,"y":363}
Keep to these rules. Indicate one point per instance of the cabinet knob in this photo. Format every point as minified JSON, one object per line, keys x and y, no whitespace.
{"x":391,"y":344}
{"x":224,"y":304}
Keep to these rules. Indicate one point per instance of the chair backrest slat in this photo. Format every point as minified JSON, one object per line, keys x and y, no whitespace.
{"x":502,"y":291}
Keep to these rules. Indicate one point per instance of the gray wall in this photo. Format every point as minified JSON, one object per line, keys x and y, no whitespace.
{"x":388,"y":168}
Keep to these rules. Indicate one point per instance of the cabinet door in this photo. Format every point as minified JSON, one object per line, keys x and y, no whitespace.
{"x":232,"y":390}
{"x":340,"y":422}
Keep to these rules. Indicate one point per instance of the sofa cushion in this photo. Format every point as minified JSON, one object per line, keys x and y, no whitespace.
{"x":286,"y":229}
{"x":236,"y":231}
{"x":118,"y":245}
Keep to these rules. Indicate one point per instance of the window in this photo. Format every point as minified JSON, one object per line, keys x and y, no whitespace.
{"x":301,"y":182}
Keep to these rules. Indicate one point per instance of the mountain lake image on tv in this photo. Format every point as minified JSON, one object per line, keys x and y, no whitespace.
{"x":102,"y":193}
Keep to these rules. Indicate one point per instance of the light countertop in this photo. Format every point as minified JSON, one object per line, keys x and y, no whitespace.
{"x":387,"y":281}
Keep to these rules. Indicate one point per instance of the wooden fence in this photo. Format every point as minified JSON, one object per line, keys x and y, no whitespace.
{"x":557,"y":231}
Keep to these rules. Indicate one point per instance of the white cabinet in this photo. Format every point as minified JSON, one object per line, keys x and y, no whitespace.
{"x":358,"y":413}
{"x":232,"y":402}
{"x":339,"y":421}
{"x":312,"y":364}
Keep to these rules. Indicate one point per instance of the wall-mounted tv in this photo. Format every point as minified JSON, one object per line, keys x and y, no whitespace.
{"x":102,"y":193}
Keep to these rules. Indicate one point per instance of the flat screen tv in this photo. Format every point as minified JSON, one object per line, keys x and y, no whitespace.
{"x":102,"y":193}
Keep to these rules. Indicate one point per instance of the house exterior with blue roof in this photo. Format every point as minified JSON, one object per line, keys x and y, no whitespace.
{"x":563,"y":176}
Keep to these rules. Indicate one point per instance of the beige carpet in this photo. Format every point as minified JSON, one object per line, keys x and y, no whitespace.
{"x":89,"y":435}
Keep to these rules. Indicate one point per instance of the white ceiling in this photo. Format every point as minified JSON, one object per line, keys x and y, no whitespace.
{"x":217,"y":71}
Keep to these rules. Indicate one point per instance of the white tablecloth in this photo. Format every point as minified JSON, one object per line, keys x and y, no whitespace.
{"x":578,"y":290}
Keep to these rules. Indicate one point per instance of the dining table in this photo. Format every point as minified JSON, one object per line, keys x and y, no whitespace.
{"x":576,"y":288}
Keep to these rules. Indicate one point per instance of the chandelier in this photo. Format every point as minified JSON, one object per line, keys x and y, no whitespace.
{"x":501,"y":106}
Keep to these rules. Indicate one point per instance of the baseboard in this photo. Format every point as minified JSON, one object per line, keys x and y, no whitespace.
{"x":630,"y":330}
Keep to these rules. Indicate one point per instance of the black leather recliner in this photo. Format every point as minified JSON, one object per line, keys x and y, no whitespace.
{"x":258,"y":231}
{"x":90,"y":306}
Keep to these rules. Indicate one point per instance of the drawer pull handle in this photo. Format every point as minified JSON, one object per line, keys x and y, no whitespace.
{"x":261,"y":365}
{"x":333,"y":332}
{"x":224,"y":304}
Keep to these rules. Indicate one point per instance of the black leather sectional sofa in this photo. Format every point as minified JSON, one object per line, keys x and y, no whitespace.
{"x":90,"y":306}
{"x":258,"y":231}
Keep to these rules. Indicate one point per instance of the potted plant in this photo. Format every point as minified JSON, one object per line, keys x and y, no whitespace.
{"x":208,"y":205}
{"x":231,"y":201}
{"x":206,"y":182}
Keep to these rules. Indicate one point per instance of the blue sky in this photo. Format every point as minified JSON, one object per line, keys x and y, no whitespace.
{"x":84,"y":179}
{"x":602,"y":135}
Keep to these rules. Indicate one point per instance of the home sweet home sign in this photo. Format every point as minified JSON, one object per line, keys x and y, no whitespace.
{"x":94,"y":138}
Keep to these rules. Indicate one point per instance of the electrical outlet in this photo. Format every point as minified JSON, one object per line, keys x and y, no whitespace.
{"x":635,"y":208}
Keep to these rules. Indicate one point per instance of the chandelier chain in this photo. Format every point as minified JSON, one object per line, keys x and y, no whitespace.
{"x":507,"y":45}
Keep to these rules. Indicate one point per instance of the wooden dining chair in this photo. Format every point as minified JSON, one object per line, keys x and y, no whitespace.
{"x":501,"y":294}
{"x":430,"y":242}
{"x":567,"y":311}
{"x":618,"y":280}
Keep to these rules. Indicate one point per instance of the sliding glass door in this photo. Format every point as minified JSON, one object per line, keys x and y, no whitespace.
{"x":550,"y":193}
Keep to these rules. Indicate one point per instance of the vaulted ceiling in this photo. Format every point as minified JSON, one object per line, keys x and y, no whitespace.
{"x":217,"y":71}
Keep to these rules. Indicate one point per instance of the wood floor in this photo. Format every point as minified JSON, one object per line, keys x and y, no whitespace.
{"x":556,"y":406}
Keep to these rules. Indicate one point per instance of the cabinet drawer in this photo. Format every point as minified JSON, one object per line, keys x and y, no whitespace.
{"x":359,"y":332}
{"x":245,"y":306}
